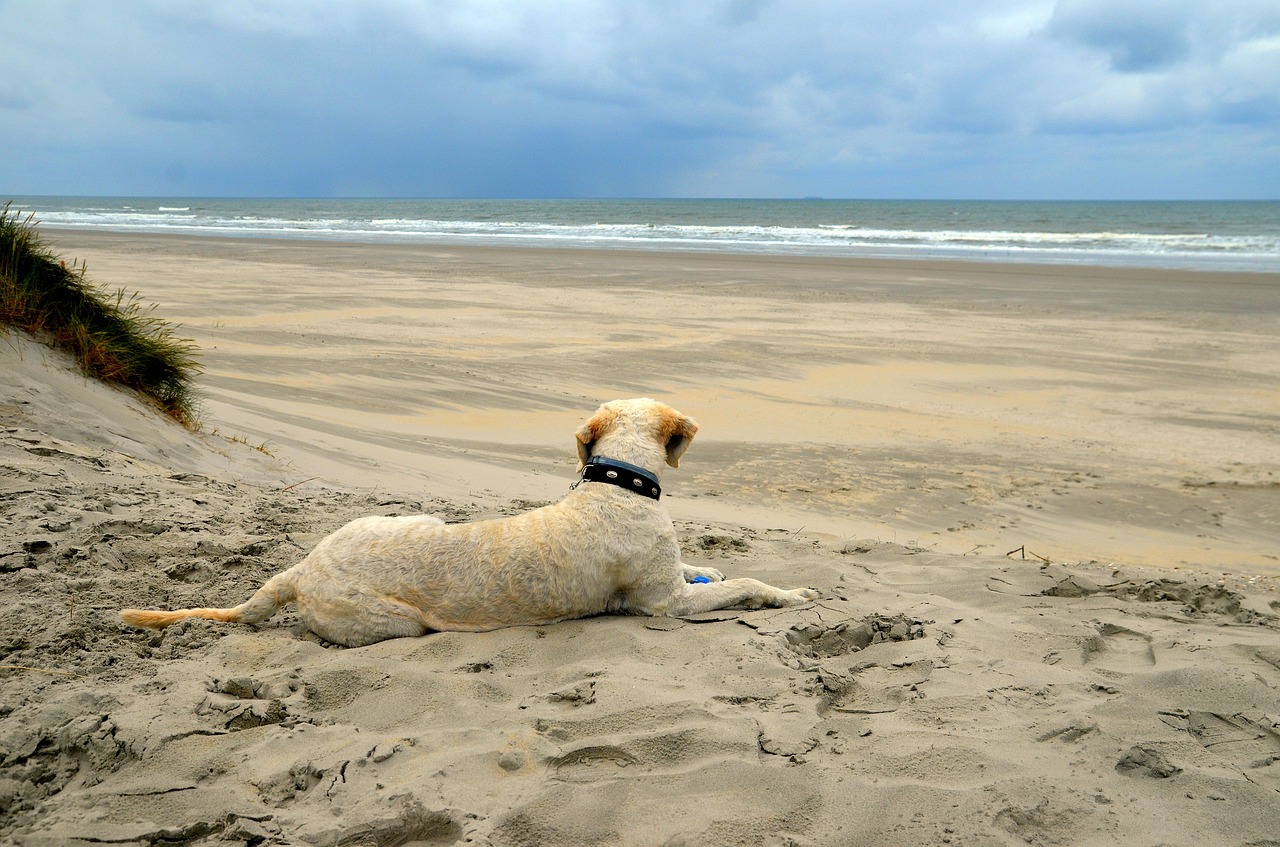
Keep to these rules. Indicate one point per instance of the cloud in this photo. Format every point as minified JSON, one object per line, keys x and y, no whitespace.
{"x":1135,"y":36}
{"x":1167,"y":64}
{"x":588,"y":97}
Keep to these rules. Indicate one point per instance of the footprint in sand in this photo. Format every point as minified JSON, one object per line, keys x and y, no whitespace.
{"x":241,"y":703}
{"x":1250,"y":745}
{"x":875,"y":689}
{"x":591,"y":763}
{"x":404,"y":823}
{"x":1118,"y":648}
{"x":641,"y":742}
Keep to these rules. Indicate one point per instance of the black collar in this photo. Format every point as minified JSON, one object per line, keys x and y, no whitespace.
{"x":621,"y":474}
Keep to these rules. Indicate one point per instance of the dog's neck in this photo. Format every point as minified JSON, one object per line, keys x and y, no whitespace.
{"x":625,"y":475}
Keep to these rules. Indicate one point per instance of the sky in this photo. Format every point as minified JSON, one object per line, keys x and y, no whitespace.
{"x":979,"y":99}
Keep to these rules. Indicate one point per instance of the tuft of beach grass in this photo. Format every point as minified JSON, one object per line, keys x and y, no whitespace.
{"x":112,"y":335}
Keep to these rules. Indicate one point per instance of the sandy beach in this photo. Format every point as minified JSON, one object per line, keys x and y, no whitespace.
{"x":1085,"y":413}
{"x":1042,"y":504}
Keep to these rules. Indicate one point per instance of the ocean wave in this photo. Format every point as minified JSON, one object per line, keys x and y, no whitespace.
{"x":1196,"y":247}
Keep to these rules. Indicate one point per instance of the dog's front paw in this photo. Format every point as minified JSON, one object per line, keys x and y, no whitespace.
{"x":691,"y":573}
{"x":797,"y":596}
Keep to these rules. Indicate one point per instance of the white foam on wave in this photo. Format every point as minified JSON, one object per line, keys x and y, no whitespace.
{"x":1253,"y":251}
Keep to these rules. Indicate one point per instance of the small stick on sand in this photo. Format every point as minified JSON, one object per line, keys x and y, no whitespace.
{"x":1024,"y":551}
{"x":37,"y":670}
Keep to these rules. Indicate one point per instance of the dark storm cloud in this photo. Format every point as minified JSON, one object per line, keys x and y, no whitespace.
{"x":412,"y":97}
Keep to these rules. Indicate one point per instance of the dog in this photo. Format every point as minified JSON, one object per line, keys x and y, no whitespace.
{"x":608,"y":547}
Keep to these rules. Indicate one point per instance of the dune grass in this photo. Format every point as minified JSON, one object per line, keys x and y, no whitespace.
{"x":113,"y":336}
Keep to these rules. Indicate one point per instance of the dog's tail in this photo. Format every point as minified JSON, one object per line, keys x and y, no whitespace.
{"x":274,"y":593}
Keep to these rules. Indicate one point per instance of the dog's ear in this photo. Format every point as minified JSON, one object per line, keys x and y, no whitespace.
{"x":675,"y":431}
{"x":591,"y":431}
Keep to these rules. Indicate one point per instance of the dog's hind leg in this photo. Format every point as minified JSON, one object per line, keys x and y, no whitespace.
{"x":359,"y":619}
{"x":753,"y":593}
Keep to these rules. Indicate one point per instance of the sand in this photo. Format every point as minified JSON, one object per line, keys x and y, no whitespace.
{"x":885,"y":432}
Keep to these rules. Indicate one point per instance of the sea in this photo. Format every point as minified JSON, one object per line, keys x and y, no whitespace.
{"x":1195,"y":235}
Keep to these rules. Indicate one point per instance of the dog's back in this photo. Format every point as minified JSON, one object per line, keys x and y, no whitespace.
{"x":571,"y":559}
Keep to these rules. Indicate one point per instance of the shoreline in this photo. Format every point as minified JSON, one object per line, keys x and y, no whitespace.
{"x":1197,"y":235}
{"x":992,"y":258}
{"x":1086,"y":414}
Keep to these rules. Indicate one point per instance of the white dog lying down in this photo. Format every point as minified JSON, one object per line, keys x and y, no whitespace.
{"x":608,"y":546}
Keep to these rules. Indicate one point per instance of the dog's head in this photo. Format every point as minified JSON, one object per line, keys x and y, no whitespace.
{"x":637,"y":431}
